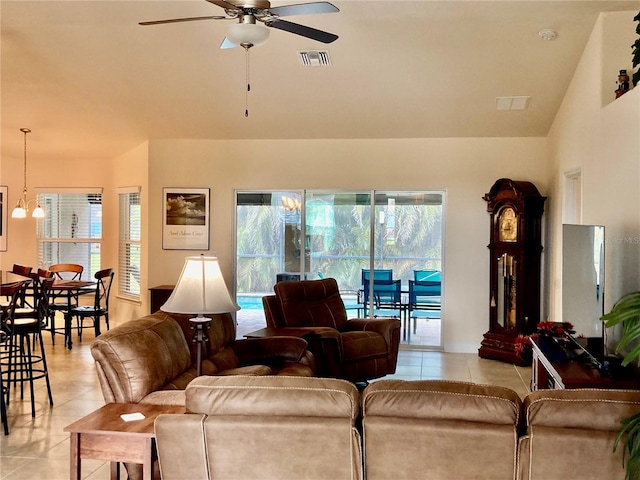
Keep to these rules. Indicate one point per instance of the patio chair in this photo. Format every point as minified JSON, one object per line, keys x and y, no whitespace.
{"x":387,"y":298}
{"x":379,"y":275}
{"x":427,"y":275}
{"x":424,"y":300}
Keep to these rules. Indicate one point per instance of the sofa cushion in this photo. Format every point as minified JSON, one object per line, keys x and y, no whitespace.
{"x":311,"y":303}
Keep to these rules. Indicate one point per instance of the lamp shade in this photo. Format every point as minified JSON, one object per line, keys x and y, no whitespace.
{"x":19,"y":212}
{"x":38,"y":212}
{"x":200,"y":289}
{"x":254,"y":34}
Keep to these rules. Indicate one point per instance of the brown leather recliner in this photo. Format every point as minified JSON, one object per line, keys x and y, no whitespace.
{"x":352,"y":349}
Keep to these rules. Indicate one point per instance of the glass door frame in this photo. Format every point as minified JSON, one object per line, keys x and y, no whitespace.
{"x":305,"y":259}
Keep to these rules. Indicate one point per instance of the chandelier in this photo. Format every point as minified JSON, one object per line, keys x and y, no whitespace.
{"x":22,"y":206}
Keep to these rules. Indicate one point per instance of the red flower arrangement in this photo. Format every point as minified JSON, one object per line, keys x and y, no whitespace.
{"x":522,"y":343}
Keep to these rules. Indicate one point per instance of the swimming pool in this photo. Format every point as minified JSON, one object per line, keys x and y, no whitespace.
{"x":247,"y":301}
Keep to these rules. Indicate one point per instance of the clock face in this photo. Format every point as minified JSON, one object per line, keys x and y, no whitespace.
{"x":507,"y":225}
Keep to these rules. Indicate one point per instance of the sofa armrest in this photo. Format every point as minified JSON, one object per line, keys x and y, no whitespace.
{"x":325,"y":343}
{"x":261,"y":350}
{"x":388,"y":328}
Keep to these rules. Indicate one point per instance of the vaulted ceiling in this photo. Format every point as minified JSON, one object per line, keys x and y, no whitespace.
{"x":91,"y":83}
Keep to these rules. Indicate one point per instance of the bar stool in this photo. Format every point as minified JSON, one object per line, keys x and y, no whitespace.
{"x":24,"y":365}
{"x":3,"y":390}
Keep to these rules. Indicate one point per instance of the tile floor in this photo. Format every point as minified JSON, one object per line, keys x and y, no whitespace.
{"x":39,"y":448}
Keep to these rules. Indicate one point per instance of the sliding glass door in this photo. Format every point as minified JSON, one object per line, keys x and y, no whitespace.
{"x":320,"y":234}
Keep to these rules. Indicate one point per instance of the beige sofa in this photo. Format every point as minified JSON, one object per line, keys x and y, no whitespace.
{"x":307,"y":428}
{"x":148,"y":360}
{"x":257,"y":428}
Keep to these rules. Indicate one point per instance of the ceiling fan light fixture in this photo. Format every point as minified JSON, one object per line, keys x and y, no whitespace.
{"x":247,"y":33}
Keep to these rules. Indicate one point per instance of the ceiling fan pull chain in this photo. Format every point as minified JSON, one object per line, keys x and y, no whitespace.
{"x":246,"y":97}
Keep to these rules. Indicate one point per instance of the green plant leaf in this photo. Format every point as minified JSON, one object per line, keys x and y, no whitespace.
{"x":625,"y":310}
{"x":629,"y":336}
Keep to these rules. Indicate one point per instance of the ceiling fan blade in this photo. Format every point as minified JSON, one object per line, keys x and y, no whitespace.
{"x":227,"y":44}
{"x":312,"y":33}
{"x":177,"y":20}
{"x":304,"y":9}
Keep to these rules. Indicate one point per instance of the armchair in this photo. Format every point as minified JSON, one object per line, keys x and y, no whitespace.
{"x":355,"y":349}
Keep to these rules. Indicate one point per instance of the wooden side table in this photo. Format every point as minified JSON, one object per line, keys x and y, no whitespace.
{"x":281,"y":332}
{"x":158,"y":295}
{"x":103,"y":435}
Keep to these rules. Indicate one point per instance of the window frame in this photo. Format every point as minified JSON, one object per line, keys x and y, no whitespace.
{"x":127,"y":225}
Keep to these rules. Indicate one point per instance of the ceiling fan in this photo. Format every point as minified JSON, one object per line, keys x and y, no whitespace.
{"x":247,"y":33}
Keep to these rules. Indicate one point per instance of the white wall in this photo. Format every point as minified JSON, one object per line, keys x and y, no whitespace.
{"x":605,"y":143}
{"x":465,"y":168}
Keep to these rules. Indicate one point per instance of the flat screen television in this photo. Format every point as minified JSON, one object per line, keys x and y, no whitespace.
{"x":583,"y":284}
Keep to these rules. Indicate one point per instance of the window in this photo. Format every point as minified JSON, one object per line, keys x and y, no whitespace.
{"x":71,"y":231}
{"x":129,"y":242}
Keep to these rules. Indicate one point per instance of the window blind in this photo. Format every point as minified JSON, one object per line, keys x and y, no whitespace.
{"x":129,"y":242}
{"x":71,"y":231}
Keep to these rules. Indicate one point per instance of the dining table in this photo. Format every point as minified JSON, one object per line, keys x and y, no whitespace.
{"x":71,"y":289}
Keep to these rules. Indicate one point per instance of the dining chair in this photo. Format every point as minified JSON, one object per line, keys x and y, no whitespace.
{"x":100,"y":307}
{"x":62,"y":302}
{"x":24,"y":365}
{"x":21,"y":270}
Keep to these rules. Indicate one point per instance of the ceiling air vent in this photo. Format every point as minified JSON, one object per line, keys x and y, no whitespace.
{"x":512,"y":103}
{"x":314,"y":58}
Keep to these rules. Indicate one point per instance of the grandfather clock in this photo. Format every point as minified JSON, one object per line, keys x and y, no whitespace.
{"x":515,"y":247}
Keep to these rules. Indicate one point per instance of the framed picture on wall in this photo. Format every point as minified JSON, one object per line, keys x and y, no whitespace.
{"x":185,"y":219}
{"x":4,"y":208}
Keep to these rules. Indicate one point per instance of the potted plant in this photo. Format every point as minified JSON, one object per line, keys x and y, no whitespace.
{"x":626,"y":312}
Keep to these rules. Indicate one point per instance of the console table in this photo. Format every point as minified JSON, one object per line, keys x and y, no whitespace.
{"x":548,"y":374}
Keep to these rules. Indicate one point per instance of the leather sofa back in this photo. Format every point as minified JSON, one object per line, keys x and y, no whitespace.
{"x":439,"y":430}
{"x":311,"y":303}
{"x":263,"y":427}
{"x":570,"y":434}
{"x":284,"y":427}
{"x":139,"y":357}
